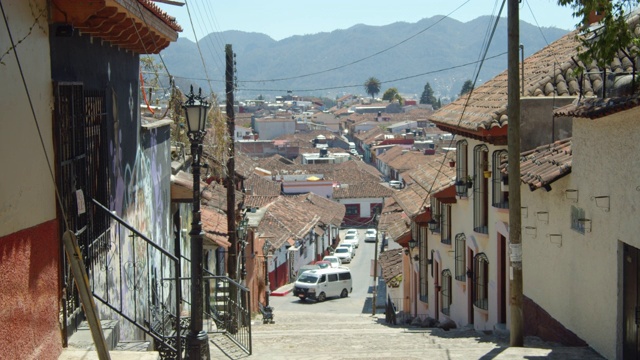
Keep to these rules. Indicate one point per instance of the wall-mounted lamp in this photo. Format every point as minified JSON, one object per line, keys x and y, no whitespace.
{"x":524,"y":212}
{"x":555,"y":239}
{"x":531,"y":230}
{"x":461,"y":189}
{"x":413,"y":243}
{"x":585,"y":224}
{"x":543,"y":216}
{"x":602,"y":202}
{"x":433,"y":225}
{"x":546,"y":187}
{"x":571,"y":194}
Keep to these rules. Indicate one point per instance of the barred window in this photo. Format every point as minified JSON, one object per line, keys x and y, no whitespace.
{"x":480,"y":190}
{"x":481,"y":281}
{"x":499,"y":183}
{"x":445,"y":223}
{"x":445,"y":292}
{"x":423,"y":265}
{"x":461,"y":250}
{"x":461,"y":160}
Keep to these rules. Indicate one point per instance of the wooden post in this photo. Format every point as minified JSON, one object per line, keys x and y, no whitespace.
{"x":515,"y":223}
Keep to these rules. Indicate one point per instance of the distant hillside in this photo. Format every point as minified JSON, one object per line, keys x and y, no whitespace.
{"x":435,"y":55}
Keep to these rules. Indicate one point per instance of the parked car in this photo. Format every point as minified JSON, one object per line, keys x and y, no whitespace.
{"x":351,"y":239}
{"x":323,"y":283}
{"x":396,"y":184}
{"x":323,"y":264}
{"x":351,"y":248}
{"x":343,"y":253}
{"x":370,"y":235}
{"x":352,"y":232}
{"x":334,"y":261}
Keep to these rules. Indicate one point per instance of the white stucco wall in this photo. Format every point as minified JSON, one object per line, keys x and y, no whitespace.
{"x":444,"y":255}
{"x":27,"y":190}
{"x":579,"y":282}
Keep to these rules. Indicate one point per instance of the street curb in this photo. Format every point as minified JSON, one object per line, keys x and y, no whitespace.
{"x":281,"y":293}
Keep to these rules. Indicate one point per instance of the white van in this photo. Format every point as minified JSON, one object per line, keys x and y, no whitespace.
{"x":323,"y":283}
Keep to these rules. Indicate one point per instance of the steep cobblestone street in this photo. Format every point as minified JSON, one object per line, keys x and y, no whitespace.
{"x":302,"y":334}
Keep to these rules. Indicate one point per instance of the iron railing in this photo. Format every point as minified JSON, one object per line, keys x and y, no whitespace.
{"x":139,"y":281}
{"x":229,"y":308}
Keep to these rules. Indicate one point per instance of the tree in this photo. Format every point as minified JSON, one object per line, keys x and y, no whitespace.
{"x":392,"y":94}
{"x":372,"y":86}
{"x":466,"y":87}
{"x":600,"y":44}
{"x":427,"y":95}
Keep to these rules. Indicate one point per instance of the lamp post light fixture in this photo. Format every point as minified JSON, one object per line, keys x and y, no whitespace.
{"x":412,"y":243}
{"x":196,"y":109}
{"x":433,"y":225}
{"x":267,"y":286}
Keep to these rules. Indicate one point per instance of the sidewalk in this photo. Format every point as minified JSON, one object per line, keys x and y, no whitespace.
{"x":283,"y":290}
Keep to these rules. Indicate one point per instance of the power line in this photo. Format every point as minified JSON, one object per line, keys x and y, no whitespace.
{"x":364,"y":58}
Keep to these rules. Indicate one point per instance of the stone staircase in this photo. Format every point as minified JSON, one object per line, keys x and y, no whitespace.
{"x":327,"y":335}
{"x":81,"y":345}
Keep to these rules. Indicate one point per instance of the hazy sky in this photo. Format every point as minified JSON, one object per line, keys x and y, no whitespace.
{"x":283,"y":18}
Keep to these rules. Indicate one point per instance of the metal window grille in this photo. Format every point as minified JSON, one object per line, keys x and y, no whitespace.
{"x":445,"y":292}
{"x":499,"y":190}
{"x":461,"y":249}
{"x":423,"y":265}
{"x":461,"y":159}
{"x":445,"y":224}
{"x":481,"y":281}
{"x":480,"y":190}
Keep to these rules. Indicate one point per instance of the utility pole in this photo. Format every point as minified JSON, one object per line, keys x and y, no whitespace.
{"x":231,"y":171}
{"x":513,"y":140}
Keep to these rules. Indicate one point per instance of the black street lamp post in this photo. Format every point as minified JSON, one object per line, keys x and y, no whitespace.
{"x":242,"y":234}
{"x":196,"y":109}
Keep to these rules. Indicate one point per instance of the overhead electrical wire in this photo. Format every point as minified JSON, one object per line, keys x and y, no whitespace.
{"x":364,"y":58}
{"x":468,"y":98}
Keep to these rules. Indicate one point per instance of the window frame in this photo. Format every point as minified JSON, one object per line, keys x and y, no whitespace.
{"x":481,"y":281}
{"x":423,"y":265}
{"x":352,"y":206}
{"x":499,"y":193}
{"x":445,"y":292}
{"x":461,"y":257}
{"x":480,"y":189}
{"x":445,"y":223}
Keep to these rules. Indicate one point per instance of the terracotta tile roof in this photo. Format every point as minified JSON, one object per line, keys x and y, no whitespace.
{"x":362,"y":167}
{"x":421,"y":183}
{"x":370,"y":136}
{"x":393,"y":221}
{"x":308,"y":137}
{"x":286,"y":219}
{"x":330,"y":212}
{"x":390,"y":154}
{"x":595,"y":108}
{"x":361,"y":190}
{"x":391,"y":263}
{"x":409,"y":160}
{"x":161,"y":14}
{"x":549,"y":72}
{"x":259,"y":201}
{"x":215,"y":196}
{"x":257,"y":185}
{"x":214,"y":226}
{"x":545,"y":164}
{"x":244,"y":165}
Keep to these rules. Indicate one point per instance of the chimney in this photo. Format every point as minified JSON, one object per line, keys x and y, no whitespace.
{"x":594,"y":17}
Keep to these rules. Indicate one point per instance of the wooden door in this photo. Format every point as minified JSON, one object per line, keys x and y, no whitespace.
{"x":631,"y":305}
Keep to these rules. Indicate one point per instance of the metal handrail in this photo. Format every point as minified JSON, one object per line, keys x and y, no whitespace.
{"x":132,"y":284}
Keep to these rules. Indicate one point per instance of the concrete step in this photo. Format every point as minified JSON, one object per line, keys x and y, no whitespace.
{"x":83,"y":340}
{"x":80,"y":354}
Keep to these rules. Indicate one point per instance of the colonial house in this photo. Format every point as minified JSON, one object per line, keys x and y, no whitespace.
{"x":82,"y":162}
{"x":579,"y":217}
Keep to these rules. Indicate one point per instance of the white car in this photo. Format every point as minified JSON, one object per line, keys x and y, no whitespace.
{"x":351,"y":248}
{"x":370,"y":235}
{"x":333,"y":260}
{"x":352,"y":232}
{"x":343,"y":253}
{"x":351,"y":240}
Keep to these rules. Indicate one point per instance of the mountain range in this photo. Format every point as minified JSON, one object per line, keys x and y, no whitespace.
{"x":438,"y":50}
